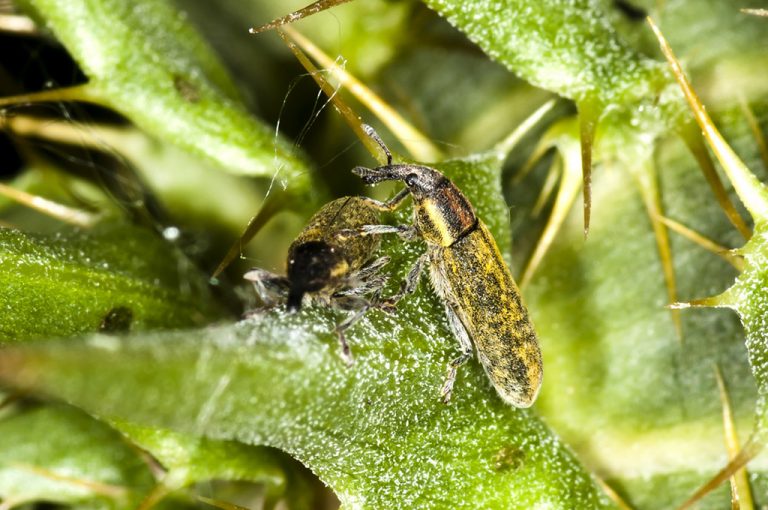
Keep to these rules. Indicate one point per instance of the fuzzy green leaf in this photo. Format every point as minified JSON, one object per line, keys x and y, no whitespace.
{"x":638,"y":403}
{"x":113,"y":278}
{"x":190,"y":459}
{"x":752,"y":304}
{"x":376,"y":433}
{"x":566,"y":47}
{"x":146,"y":61}
{"x":60,"y":455}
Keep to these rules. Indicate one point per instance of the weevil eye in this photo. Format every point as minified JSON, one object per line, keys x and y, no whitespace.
{"x":410,"y":180}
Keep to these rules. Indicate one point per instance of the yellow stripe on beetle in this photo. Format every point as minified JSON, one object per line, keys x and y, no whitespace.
{"x":440,"y":225}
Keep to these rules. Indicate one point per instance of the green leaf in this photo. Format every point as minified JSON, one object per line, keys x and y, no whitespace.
{"x":147,"y":62}
{"x":190,"y":459}
{"x":484,"y":103}
{"x":58,"y":454}
{"x":115,"y":277}
{"x":566,"y":47}
{"x":749,"y":296}
{"x":638,"y":403}
{"x":376,"y":433}
{"x":734,"y":42}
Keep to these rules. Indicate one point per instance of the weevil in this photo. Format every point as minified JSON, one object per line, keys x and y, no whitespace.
{"x":481,"y":299}
{"x":326,"y":267}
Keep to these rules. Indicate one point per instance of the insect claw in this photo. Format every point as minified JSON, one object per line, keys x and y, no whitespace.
{"x":447,"y":390}
{"x":256,"y":312}
{"x":346,"y":352}
{"x":408,"y":234}
{"x":388,"y":305}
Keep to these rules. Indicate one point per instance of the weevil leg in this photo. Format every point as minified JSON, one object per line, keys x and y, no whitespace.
{"x":372,"y":268}
{"x":366,"y":280}
{"x":270,"y":287}
{"x":363,"y":289}
{"x":353,"y":298}
{"x":391,"y":204}
{"x":360,"y":305}
{"x":407,"y":232}
{"x":465,"y":343}
{"x":346,"y":352}
{"x":411,"y":281}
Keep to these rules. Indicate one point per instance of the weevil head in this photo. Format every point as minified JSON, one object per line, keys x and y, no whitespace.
{"x":312,"y":267}
{"x":421,"y":180}
{"x":442,"y":212}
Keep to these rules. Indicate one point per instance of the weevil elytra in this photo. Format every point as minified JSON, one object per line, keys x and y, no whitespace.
{"x":468,"y":273}
{"x":327,"y":268}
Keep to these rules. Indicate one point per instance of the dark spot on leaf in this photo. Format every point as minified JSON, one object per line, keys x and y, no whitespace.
{"x":117,"y":320}
{"x":632,"y":12}
{"x":186,"y":89}
{"x":508,"y":457}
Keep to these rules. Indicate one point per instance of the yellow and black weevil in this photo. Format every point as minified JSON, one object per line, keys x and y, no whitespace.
{"x":327,"y":268}
{"x":469,"y":275}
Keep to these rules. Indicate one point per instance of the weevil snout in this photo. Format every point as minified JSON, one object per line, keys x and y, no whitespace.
{"x":375,"y":175}
{"x":421,"y":180}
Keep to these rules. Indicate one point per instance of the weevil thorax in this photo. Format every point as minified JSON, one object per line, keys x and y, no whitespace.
{"x":442,"y":213}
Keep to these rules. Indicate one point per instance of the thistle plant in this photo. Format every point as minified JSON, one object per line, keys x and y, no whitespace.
{"x":633,"y":218}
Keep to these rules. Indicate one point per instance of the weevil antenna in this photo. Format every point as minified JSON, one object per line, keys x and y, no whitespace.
{"x":376,"y":138}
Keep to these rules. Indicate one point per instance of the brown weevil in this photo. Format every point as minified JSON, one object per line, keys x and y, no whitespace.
{"x":482,"y":301}
{"x":327,"y":268}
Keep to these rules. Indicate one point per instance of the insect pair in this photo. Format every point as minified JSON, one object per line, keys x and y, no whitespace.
{"x":329,"y":263}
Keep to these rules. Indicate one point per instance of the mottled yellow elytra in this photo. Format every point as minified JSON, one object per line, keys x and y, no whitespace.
{"x":482,"y":301}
